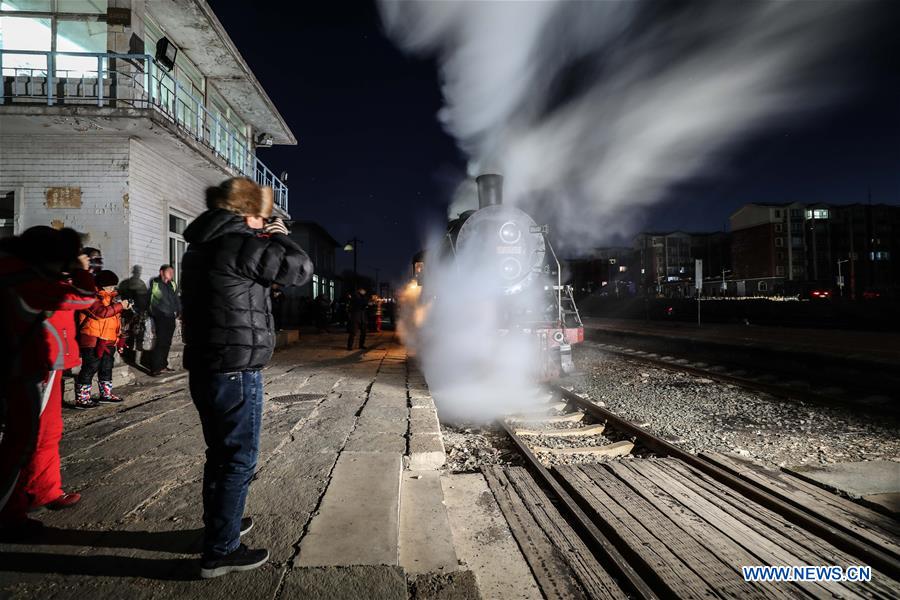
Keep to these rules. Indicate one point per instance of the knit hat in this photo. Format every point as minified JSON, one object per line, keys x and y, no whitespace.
{"x":242,"y":196}
{"x":106,"y":278}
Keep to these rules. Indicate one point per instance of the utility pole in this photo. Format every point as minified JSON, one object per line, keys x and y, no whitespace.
{"x":698,"y":283}
{"x":840,"y":279}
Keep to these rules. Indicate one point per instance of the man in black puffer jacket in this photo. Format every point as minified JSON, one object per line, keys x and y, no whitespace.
{"x":233,"y":259}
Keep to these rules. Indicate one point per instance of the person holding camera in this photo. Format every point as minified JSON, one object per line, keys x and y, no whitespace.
{"x":236,"y":253}
{"x":100,"y":335}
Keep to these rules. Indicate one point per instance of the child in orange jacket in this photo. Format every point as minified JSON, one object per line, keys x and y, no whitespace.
{"x":100,"y":335}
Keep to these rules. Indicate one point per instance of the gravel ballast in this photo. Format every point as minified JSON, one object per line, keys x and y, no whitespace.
{"x":704,"y":415}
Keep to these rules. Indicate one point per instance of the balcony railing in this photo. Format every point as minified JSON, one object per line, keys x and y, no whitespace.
{"x":129,"y":81}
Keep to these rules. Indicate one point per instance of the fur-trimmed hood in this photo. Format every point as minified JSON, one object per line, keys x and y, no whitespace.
{"x":242,"y":196}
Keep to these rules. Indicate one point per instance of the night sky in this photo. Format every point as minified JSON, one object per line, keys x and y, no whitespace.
{"x":373,"y":162}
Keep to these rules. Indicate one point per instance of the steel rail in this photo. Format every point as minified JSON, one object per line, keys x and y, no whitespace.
{"x":584,"y":527}
{"x":841,"y":538}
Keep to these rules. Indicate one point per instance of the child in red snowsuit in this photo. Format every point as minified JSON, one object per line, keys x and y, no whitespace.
{"x":37,"y":306}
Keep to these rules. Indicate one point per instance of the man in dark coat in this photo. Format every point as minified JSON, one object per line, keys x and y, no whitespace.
{"x":358,"y":307}
{"x":233,"y":259}
{"x":165,"y":307}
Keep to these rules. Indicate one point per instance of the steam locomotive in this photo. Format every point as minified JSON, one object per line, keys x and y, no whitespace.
{"x":521,"y":262}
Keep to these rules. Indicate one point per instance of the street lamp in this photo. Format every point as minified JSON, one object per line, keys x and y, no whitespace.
{"x":840,"y":280}
{"x":353,"y":246}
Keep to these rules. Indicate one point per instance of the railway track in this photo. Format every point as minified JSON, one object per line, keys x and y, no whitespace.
{"x":662,"y":522}
{"x":823,"y":385}
{"x":756,"y":379}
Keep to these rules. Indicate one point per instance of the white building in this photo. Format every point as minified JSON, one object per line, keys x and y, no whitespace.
{"x":99,"y":134}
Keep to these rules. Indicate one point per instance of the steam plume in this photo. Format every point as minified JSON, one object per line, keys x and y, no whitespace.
{"x":592,"y":110}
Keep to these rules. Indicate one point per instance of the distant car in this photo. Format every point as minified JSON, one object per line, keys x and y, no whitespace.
{"x":820,"y":294}
{"x":871,"y":295}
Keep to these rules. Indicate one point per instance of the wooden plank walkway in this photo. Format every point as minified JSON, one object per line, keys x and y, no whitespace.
{"x":691,"y":535}
{"x":562,"y":565}
{"x":866,"y":524}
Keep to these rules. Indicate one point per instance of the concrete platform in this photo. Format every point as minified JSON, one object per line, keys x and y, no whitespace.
{"x":358,"y":522}
{"x":327,"y":443}
{"x":875,"y":482}
{"x":426,"y":542}
{"x":484,"y":542}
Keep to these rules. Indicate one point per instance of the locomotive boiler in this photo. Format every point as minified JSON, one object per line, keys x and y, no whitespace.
{"x":521,"y":264}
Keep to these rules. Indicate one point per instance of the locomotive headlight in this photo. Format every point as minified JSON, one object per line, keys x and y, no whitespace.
{"x":510,"y":233}
{"x":510,"y":268}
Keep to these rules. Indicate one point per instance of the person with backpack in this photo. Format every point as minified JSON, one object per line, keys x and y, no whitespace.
{"x":44,"y":279}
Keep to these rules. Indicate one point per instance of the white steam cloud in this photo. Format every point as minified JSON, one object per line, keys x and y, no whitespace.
{"x":477,"y":366}
{"x":594,"y":110}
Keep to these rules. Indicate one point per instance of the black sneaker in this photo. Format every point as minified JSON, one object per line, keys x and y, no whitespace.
{"x":246,"y":525}
{"x":242,"y":559}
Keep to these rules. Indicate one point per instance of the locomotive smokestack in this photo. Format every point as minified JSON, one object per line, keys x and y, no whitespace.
{"x":490,"y":190}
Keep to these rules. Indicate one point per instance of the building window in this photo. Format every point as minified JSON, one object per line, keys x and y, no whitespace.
{"x":177,"y":245}
{"x":7,"y":215}
{"x":818,"y":213}
{"x":26,"y":5}
{"x":796,"y":241}
{"x":75,"y":31}
{"x":79,"y":36}
{"x":315,"y":286}
{"x":795,"y":213}
{"x":191,"y":82}
{"x":779,"y":242}
{"x":777,"y":227}
{"x":779,"y":271}
{"x":82,"y":7}
{"x":777,"y":214}
{"x":25,"y":33}
{"x":763,"y":286}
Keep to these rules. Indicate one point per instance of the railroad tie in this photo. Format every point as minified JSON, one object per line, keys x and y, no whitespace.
{"x":610,"y":450}
{"x":567,"y":418}
{"x":576,"y":432}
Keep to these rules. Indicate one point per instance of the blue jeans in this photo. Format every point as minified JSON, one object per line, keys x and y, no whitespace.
{"x":230,"y":407}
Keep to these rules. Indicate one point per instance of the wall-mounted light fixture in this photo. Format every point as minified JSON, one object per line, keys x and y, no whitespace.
{"x":166,"y":53}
